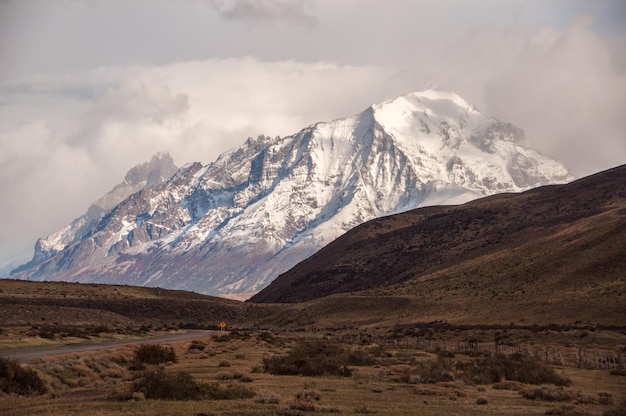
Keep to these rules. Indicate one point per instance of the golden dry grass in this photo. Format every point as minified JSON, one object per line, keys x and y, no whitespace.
{"x":84,"y":384}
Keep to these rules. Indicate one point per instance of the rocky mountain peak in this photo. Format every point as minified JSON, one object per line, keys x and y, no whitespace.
{"x":235,"y":224}
{"x":159,"y":169}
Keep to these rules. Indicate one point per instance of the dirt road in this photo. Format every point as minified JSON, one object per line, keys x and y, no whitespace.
{"x":25,"y":354}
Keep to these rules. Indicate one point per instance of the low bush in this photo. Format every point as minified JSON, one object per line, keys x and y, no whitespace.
{"x":154,"y":354}
{"x":225,"y":376}
{"x":364,"y":410}
{"x":560,"y":394}
{"x":568,"y":410}
{"x":267,"y":398}
{"x":267,"y":337}
{"x":359,"y":358}
{"x":66,"y":331}
{"x":517,"y":367}
{"x":549,"y":394}
{"x":231,"y":392}
{"x":308,"y":395}
{"x":508,"y":385}
{"x":311,"y":358}
{"x":619,"y":410}
{"x":433,"y":371}
{"x":304,"y":405}
{"x":182,"y":386}
{"x":196,"y":345}
{"x":15,"y":379}
{"x":231,"y":336}
{"x":162,"y":385}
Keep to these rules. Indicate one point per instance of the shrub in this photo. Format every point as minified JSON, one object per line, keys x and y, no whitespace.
{"x":267,"y":398}
{"x":225,"y":376}
{"x":231,"y":336}
{"x":175,"y":386}
{"x":431,"y":372}
{"x":508,"y":385}
{"x":231,"y":392}
{"x":619,"y":410}
{"x":196,"y":345}
{"x":359,"y":358}
{"x":308,"y":395}
{"x":560,"y":394}
{"x":98,"y":329}
{"x":568,"y":410}
{"x":363,"y":410}
{"x":310,"y":358}
{"x":154,"y":354}
{"x":304,"y":405}
{"x":182,"y":386}
{"x":549,"y":394}
{"x":267,"y":337}
{"x":517,"y":367}
{"x":15,"y":379}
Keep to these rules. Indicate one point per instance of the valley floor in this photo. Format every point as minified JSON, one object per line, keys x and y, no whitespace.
{"x":391,"y":378}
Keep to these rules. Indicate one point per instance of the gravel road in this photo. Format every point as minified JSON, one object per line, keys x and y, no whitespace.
{"x":25,"y":354}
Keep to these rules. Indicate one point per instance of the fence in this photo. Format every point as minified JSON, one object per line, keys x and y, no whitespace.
{"x":589,"y":358}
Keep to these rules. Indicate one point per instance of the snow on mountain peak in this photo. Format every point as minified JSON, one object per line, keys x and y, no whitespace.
{"x":235,"y":224}
{"x":160,"y":168}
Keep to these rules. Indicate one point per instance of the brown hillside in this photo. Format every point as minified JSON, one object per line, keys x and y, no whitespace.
{"x":560,"y":246}
{"x":64,"y":307}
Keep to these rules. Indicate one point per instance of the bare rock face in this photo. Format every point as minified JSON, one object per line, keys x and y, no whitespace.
{"x":160,"y":168}
{"x":234,"y":225}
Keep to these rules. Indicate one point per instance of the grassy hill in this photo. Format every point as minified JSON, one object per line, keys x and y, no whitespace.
{"x":551,"y":254}
{"x":57,"y":310}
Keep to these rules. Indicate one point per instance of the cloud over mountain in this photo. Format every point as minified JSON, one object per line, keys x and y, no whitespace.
{"x":80,"y":103}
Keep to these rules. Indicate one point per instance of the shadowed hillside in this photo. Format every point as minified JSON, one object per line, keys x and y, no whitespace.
{"x":554,"y":250}
{"x":59,"y":309}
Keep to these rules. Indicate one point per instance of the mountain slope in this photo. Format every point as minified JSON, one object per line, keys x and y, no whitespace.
{"x":160,"y":168}
{"x":562,"y":244}
{"x":235,"y":224}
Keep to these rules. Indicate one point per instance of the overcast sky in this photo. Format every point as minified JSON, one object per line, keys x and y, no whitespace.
{"x":90,"y":88}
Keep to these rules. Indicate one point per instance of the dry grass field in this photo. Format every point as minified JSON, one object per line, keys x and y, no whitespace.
{"x":378,"y":379}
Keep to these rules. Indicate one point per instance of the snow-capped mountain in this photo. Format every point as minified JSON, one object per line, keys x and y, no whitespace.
{"x":160,"y":168}
{"x":236,"y":224}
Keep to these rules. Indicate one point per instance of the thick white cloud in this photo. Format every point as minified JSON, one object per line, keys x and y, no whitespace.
{"x":566,"y":88}
{"x":66,"y":140}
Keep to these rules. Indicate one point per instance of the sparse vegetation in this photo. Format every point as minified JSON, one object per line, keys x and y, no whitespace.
{"x":619,"y":410}
{"x":517,"y":367}
{"x":433,"y":371}
{"x":196,"y":345}
{"x":181,"y":386}
{"x":15,"y":379}
{"x":311,"y":358}
{"x":434,"y":367}
{"x":560,"y":394}
{"x":161,"y":385}
{"x":267,"y":337}
{"x":267,"y":398}
{"x":154,"y":354}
